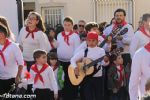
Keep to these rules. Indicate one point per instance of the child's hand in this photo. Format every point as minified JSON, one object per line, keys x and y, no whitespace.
{"x":76,"y":71}
{"x":55,"y":96}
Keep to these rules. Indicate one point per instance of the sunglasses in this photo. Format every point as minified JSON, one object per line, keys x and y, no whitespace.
{"x":81,"y":25}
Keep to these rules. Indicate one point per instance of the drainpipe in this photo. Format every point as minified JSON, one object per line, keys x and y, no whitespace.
{"x":20,"y":13}
{"x":133,"y":13}
{"x":95,"y":10}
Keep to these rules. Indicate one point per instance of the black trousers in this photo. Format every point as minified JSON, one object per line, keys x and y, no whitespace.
{"x":122,"y":94}
{"x":43,"y":94}
{"x":70,"y":91}
{"x":29,"y":87}
{"x":92,"y":89}
{"x":5,"y":86}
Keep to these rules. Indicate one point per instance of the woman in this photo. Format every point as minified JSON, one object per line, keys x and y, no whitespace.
{"x":32,"y":37}
{"x":11,"y":60}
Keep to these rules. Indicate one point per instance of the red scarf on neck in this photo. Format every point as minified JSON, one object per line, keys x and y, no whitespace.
{"x":121,"y":74}
{"x":31,"y":32}
{"x":147,"y":47}
{"x":55,"y":67}
{"x":51,"y":43}
{"x":142,"y":29}
{"x":117,"y":24}
{"x":3,"y":49}
{"x":38,"y":75}
{"x":66,"y":37}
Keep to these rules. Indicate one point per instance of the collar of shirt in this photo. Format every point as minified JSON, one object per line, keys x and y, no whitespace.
{"x":1,"y":46}
{"x":67,"y":33}
{"x":147,"y":31}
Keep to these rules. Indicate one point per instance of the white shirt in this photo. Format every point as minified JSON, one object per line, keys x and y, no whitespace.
{"x":140,"y":73}
{"x":65,"y":51}
{"x":12,"y":56}
{"x":29,"y":44}
{"x":48,"y":77}
{"x":93,"y":54}
{"x":138,"y":41}
{"x":126,"y":37}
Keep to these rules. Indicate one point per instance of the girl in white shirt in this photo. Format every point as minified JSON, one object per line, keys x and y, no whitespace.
{"x":58,"y":71}
{"x":33,"y":37}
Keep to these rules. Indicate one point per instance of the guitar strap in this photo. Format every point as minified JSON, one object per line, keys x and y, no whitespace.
{"x":85,"y":52}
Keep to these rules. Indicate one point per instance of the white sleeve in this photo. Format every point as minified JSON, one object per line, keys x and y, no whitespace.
{"x":107,"y":47}
{"x":53,"y":80}
{"x":18,"y":55}
{"x":82,"y":46}
{"x":128,"y":36}
{"x":76,"y":57}
{"x":32,"y":76}
{"x":135,"y":75}
{"x":43,"y":41}
{"x":76,"y":42}
{"x":108,"y":30}
{"x":134,"y":45}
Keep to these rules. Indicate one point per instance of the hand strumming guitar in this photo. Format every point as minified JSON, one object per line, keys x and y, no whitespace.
{"x":76,"y":71}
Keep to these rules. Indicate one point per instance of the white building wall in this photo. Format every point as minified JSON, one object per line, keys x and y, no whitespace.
{"x":11,"y":14}
{"x":77,"y":9}
{"x":84,"y":9}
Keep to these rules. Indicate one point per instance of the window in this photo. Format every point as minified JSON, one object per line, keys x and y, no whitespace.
{"x":106,"y":8}
{"x":52,"y":15}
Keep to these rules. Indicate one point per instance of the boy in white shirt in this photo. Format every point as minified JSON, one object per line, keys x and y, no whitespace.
{"x":43,"y":76}
{"x":91,"y":88}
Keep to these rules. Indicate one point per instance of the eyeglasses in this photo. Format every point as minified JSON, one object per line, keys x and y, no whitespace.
{"x":81,"y":25}
{"x":31,"y":18}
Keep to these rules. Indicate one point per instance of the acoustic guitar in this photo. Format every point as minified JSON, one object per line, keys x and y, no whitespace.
{"x":86,"y":67}
{"x":114,"y":34}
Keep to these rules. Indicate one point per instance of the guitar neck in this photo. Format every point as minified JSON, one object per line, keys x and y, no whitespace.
{"x":93,"y":63}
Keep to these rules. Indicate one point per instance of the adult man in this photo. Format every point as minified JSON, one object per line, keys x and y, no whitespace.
{"x":81,"y":30}
{"x":121,"y":40}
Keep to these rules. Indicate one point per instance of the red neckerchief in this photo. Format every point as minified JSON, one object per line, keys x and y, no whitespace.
{"x":66,"y":37}
{"x":142,"y":29}
{"x":3,"y":49}
{"x":147,"y":47}
{"x":38,"y":75}
{"x":117,"y":24}
{"x":55,"y":67}
{"x":51,"y":43}
{"x":31,"y":32}
{"x":121,"y":74}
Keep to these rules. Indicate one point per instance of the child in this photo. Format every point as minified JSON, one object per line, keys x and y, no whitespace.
{"x":51,"y":37}
{"x":58,"y":71}
{"x":43,"y":76}
{"x":91,"y":88}
{"x":117,"y":78}
{"x":67,"y":42}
